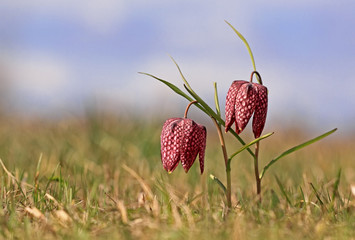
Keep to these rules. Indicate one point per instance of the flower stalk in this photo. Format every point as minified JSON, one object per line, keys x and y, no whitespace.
{"x":256,"y":170}
{"x":188,"y":107}
{"x":226,"y":162}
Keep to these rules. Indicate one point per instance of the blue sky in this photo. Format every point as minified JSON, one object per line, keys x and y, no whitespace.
{"x":58,"y":56}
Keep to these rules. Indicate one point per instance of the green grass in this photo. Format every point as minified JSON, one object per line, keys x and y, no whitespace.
{"x":101,"y":177}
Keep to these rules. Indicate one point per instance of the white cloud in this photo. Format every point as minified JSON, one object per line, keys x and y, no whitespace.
{"x":39,"y":73}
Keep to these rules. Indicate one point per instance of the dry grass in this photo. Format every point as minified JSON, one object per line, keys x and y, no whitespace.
{"x":101,"y":177}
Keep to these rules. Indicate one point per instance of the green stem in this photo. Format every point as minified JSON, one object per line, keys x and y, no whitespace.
{"x":256,"y":169}
{"x":229,"y":186}
{"x":226,"y":162}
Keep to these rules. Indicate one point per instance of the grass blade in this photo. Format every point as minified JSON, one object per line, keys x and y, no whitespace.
{"x":214,"y":178}
{"x":303,"y":200}
{"x":336,"y":185}
{"x":283,"y":190}
{"x":317,"y":195}
{"x":293,"y":149}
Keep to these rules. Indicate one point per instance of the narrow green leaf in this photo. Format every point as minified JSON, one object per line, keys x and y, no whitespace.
{"x":175,"y":89}
{"x":219,"y":183}
{"x":216,"y":101}
{"x":302,"y":194}
{"x":239,"y":139}
{"x":182,"y":75}
{"x":250,"y":144}
{"x":170,"y":85}
{"x":316,"y":193}
{"x":207,"y":108}
{"x":187,"y":86}
{"x":293,"y":149}
{"x":246,"y":44}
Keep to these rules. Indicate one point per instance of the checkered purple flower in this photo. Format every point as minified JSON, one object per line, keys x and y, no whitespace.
{"x":243,"y":100}
{"x":181,"y":140}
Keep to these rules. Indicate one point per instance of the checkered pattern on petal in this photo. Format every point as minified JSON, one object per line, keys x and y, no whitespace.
{"x":202,"y":143}
{"x":170,"y":142}
{"x":260,"y":109}
{"x":181,"y":140}
{"x":244,"y":106}
{"x":243,"y":100}
{"x":230,"y":103}
{"x":189,"y":147}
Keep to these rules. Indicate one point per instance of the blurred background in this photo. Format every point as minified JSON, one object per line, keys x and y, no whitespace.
{"x":59,"y":58}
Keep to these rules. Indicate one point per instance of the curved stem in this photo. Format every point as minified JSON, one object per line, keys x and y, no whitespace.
{"x":258,"y":77}
{"x":187,"y":108}
{"x":226,"y":162}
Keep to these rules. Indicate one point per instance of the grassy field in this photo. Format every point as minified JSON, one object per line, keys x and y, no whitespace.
{"x":101,"y":177}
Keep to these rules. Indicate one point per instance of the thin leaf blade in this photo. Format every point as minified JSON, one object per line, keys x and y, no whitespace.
{"x":283,"y":191}
{"x":293,"y":149}
{"x":175,"y":89}
{"x":216,"y":101}
{"x":250,"y":144}
{"x":170,"y":85}
{"x":182,"y":75}
{"x":247,"y":45}
{"x":214,"y":178}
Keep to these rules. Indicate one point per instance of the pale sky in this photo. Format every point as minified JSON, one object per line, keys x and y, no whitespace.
{"x":57,"y":56}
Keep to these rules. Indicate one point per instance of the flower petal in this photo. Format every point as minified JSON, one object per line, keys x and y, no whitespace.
{"x":202,"y":143}
{"x":170,"y":141}
{"x":189,"y":144}
{"x":230,"y":103}
{"x":244,"y":106}
{"x":260,"y":109}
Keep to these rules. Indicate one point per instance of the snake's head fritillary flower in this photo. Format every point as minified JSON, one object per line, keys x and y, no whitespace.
{"x":181,"y":140}
{"x":243,"y":100}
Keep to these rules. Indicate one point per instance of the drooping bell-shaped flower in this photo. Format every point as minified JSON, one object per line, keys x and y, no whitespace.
{"x":243,"y":100}
{"x":181,"y":140}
